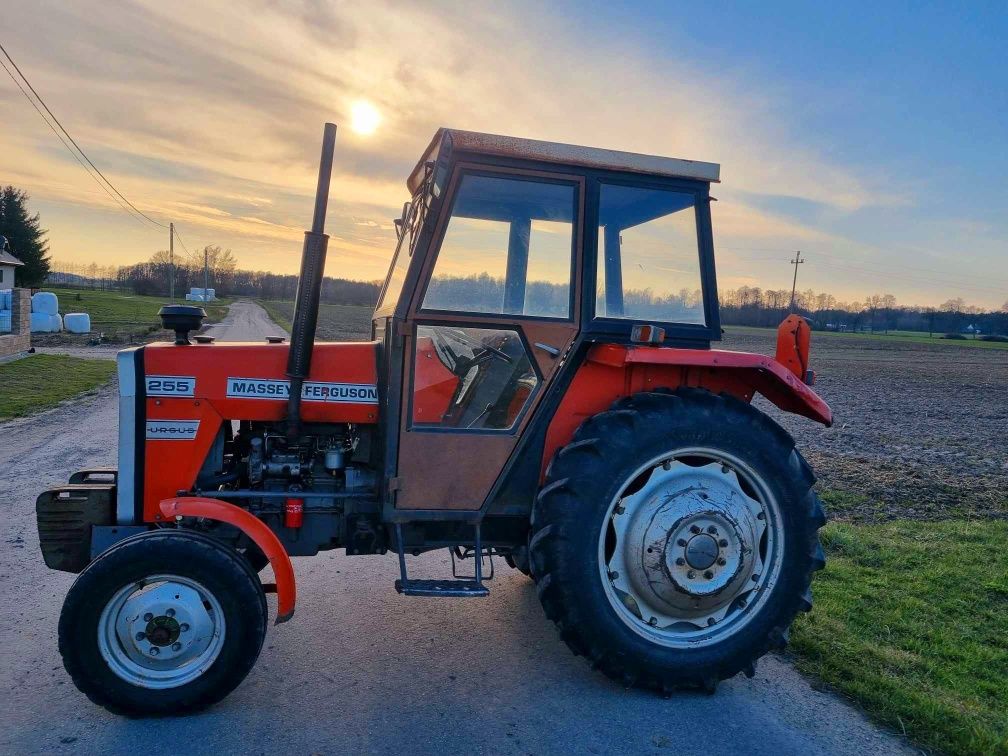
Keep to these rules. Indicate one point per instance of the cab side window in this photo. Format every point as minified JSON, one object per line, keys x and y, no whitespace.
{"x":508,"y":249}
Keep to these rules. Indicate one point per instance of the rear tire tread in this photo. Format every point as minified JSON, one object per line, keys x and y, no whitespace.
{"x":570,"y":480}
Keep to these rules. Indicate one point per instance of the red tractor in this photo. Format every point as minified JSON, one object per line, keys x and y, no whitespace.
{"x":539,"y":386}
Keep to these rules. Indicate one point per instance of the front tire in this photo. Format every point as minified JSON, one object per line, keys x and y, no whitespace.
{"x":675,"y":538}
{"x":166,"y":622}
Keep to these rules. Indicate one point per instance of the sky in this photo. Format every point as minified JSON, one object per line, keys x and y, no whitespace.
{"x":871,"y":136}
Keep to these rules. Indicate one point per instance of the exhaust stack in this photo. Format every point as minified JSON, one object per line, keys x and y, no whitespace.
{"x":306,"y":303}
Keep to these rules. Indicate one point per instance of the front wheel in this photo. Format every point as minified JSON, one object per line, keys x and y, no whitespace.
{"x":675,"y":538}
{"x":165,"y":622}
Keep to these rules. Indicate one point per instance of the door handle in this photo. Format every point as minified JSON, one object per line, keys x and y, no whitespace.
{"x":552,"y":351}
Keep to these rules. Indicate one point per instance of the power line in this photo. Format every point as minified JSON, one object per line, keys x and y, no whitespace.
{"x":796,"y":261}
{"x":69,"y":149}
{"x":72,"y":141}
{"x":177,"y":236}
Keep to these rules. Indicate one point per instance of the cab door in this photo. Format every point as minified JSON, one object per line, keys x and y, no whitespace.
{"x":490,"y":323}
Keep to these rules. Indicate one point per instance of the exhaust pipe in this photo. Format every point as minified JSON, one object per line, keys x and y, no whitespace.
{"x":306,"y":303}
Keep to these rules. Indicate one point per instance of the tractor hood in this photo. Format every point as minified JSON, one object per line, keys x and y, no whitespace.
{"x":248,"y":381}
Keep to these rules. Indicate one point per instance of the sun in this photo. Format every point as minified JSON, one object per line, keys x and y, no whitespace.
{"x":364,"y":117}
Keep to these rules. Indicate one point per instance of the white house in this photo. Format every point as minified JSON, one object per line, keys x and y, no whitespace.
{"x":7,"y":265}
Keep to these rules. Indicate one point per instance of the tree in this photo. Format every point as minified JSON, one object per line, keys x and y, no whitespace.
{"x":26,"y":236}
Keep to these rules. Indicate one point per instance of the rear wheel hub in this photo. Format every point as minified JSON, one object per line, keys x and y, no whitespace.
{"x":684,"y":555}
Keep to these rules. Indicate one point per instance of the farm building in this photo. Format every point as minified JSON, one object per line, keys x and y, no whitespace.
{"x":8,"y":263}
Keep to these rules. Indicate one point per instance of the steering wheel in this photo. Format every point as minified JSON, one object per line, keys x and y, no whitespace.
{"x":462,"y":336}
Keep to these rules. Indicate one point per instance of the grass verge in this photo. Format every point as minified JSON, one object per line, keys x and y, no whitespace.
{"x":40,"y":381}
{"x":911,"y":621}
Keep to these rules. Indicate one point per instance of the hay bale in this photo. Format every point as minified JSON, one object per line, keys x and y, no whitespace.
{"x":41,"y":322}
{"x":77,"y":322}
{"x":45,"y":302}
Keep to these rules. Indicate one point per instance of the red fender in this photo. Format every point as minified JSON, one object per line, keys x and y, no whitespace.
{"x":254,"y":528}
{"x":611,"y":371}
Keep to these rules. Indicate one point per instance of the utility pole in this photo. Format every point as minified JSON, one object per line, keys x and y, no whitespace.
{"x":206,"y":271}
{"x":171,"y":261}
{"x":794,"y":284}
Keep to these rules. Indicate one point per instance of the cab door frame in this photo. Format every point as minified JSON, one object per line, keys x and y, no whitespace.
{"x":491,"y":449}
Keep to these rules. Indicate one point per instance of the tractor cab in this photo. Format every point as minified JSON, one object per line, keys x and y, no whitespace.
{"x":513,"y":257}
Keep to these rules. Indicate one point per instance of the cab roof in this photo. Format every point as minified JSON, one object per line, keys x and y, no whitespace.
{"x":557,"y":152}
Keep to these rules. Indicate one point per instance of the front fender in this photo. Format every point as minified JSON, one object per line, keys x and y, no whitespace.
{"x":254,"y":528}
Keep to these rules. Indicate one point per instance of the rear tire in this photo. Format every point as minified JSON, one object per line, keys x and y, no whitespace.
{"x":695,"y":459}
{"x":165,"y":622}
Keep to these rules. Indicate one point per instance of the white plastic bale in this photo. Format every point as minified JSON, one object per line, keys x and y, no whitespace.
{"x":46,"y":302}
{"x":41,"y":322}
{"x":77,"y":322}
{"x":55,"y":323}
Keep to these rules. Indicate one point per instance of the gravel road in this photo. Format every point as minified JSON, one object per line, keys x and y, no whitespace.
{"x":362,"y":669}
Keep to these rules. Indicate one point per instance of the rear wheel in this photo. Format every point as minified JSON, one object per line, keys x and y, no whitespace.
{"x":675,"y":539}
{"x":165,"y":622}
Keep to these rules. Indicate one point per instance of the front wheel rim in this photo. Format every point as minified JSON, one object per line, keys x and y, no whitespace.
{"x":691,"y":547}
{"x":161,"y":632}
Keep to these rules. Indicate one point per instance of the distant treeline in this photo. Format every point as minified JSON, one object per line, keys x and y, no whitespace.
{"x":153,"y":278}
{"x":747,"y":305}
{"x":752,"y":306}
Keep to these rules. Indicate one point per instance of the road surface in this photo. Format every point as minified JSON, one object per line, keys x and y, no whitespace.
{"x":361,"y":669}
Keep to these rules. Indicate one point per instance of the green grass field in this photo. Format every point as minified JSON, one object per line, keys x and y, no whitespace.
{"x":113,"y":312}
{"x":896,"y":337}
{"x":40,"y":381}
{"x":911,"y":621}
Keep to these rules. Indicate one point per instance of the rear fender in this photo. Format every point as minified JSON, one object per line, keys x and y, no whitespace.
{"x":611,"y":372}
{"x":254,"y":528}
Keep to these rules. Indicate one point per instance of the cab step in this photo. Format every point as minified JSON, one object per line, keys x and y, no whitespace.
{"x":456,"y":588}
{"x":441,"y":588}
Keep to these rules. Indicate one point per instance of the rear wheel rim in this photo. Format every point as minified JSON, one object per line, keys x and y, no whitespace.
{"x":691,"y":547}
{"x":161,"y":632}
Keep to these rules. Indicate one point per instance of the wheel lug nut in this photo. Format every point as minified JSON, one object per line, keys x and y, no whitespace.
{"x":170,"y":612}
{"x":723,"y":543}
{"x":141,"y":636}
{"x":653,"y":622}
{"x":148,"y":617}
{"x":755,"y":578}
{"x":176,"y":646}
{"x":721,"y":562}
{"x":708,"y":574}
{"x":620,"y":509}
{"x":680,"y":561}
{"x":691,"y":574}
{"x":761,"y":516}
{"x":694,"y":529}
{"x":184,"y":627}
{"x":712,"y":530}
{"x":681,"y":541}
{"x":613,"y":575}
{"x":711,"y":621}
{"x":154,"y":651}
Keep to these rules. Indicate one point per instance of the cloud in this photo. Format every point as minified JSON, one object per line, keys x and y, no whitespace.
{"x":210,"y":115}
